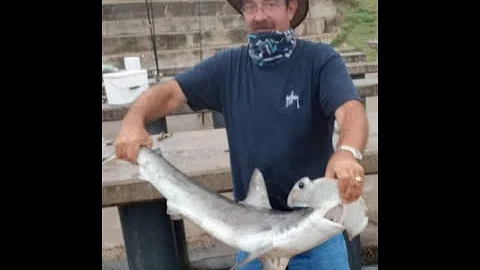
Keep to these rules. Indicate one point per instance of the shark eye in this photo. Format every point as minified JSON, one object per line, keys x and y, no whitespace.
{"x":301,"y":185}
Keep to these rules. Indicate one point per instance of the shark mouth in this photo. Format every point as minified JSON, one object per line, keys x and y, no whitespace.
{"x":335,"y":214}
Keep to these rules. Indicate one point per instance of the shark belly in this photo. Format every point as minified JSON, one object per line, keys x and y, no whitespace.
{"x":310,"y":232}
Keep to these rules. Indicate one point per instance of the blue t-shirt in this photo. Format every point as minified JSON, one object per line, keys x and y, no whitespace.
{"x":278,"y":119}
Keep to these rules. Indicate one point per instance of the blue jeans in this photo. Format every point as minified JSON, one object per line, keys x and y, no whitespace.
{"x":331,"y":255}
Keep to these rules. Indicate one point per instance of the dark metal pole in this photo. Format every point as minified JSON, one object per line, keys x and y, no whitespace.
{"x":218,"y":120}
{"x":181,"y":244}
{"x":157,"y":127}
{"x":354,"y":249}
{"x":148,"y":236}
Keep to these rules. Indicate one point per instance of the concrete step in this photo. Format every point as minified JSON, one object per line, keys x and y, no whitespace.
{"x":367,"y":87}
{"x":136,"y":9}
{"x":177,"y":37}
{"x":357,"y":69}
{"x":137,"y":27}
{"x":362,"y":68}
{"x":352,"y":57}
{"x":326,"y":37}
{"x":189,"y":52}
{"x":165,"y":9}
{"x":166,"y":25}
{"x":346,"y":49}
{"x":373,"y":43}
{"x":138,"y":42}
{"x":112,"y":45}
{"x":190,"y":57}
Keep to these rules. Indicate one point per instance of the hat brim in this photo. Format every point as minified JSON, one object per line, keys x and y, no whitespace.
{"x":302,"y":10}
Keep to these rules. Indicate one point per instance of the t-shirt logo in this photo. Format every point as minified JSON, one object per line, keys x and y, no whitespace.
{"x":289,"y":99}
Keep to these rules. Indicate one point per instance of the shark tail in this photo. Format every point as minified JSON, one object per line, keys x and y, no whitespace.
{"x":267,"y":263}
{"x":275,"y":263}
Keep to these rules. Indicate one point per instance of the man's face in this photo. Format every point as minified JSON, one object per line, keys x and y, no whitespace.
{"x":268,"y":15}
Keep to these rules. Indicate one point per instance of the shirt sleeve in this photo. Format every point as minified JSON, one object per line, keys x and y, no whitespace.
{"x":335,"y":85}
{"x":202,"y":85}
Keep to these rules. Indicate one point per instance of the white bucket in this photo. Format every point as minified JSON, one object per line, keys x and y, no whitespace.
{"x":132,"y":63}
{"x":124,"y":87}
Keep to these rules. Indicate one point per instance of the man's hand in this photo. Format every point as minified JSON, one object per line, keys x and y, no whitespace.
{"x":157,"y":102}
{"x":129,"y":140}
{"x":349,"y":173}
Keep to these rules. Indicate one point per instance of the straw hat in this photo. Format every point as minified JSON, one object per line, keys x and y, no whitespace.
{"x":298,"y":18}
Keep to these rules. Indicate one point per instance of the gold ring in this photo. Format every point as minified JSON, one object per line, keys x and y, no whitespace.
{"x":358,"y":179}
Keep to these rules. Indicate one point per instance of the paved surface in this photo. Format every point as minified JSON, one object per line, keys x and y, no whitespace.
{"x":123,"y":265}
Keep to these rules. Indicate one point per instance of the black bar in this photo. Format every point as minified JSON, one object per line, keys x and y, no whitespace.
{"x":218,"y":120}
{"x":354,"y":249}
{"x":181,"y":244}
{"x":148,"y":236}
{"x":157,"y":127}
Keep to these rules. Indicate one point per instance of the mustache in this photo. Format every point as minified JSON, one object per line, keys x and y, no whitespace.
{"x":262,"y":25}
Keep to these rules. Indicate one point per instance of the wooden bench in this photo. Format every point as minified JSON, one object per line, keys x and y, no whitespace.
{"x":147,"y":229}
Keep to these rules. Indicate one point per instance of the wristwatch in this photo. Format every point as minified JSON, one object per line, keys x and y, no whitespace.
{"x":355,"y":152}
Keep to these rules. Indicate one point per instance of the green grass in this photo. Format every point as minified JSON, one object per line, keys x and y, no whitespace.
{"x":359,"y":25}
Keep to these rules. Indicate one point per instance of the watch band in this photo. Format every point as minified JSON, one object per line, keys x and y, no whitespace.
{"x":355,"y":152}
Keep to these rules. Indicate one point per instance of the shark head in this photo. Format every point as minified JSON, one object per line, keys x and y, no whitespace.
{"x":257,"y":195}
{"x":313,"y":193}
{"x":322,"y":193}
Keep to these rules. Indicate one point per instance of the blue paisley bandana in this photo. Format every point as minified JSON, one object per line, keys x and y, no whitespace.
{"x":268,"y":48}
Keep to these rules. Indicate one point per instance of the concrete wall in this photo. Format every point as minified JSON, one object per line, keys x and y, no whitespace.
{"x":187,"y":31}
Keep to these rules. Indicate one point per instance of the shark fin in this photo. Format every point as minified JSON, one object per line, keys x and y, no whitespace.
{"x":354,"y":218}
{"x":257,"y":195}
{"x":251,"y":257}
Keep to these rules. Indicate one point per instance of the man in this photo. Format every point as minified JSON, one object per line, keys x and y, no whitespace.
{"x":280,"y":97}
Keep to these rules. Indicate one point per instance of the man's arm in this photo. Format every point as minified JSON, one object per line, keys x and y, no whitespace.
{"x":198,"y":87}
{"x":157,"y":102}
{"x":340,"y":99}
{"x":353,"y":124}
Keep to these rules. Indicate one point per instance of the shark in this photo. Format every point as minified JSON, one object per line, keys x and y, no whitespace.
{"x":251,"y":225}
